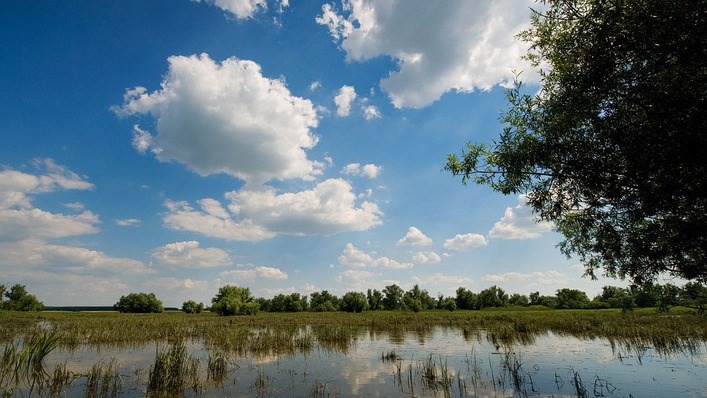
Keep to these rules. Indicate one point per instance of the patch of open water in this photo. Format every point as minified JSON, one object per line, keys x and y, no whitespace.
{"x":446,"y":362}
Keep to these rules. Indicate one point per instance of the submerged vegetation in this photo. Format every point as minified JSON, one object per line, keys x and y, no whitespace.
{"x":29,"y":337}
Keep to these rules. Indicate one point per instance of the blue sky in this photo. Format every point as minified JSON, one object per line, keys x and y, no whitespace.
{"x":178,"y":146}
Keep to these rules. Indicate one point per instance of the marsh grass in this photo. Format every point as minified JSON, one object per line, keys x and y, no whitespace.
{"x":103,"y":380}
{"x":217,"y":367}
{"x":22,"y":361}
{"x":173,"y":370}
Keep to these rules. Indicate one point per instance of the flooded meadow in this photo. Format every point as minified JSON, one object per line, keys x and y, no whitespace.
{"x":341,"y":355}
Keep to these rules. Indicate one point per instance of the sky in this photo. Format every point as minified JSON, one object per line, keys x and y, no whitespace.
{"x":176,"y":146}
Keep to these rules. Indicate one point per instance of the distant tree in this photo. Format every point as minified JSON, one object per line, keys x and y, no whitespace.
{"x":354,"y":302}
{"x":293,"y":302}
{"x":417,"y":299}
{"x":615,"y":297}
{"x":323,"y":301}
{"x":518,"y":300}
{"x":493,"y":296}
{"x":611,"y":149}
{"x":141,"y":303}
{"x":234,"y":300}
{"x":571,"y":299}
{"x":466,"y":300}
{"x":668,"y":297}
{"x":18,"y":299}
{"x":192,"y":307}
{"x":375,"y":299}
{"x":393,"y":299}
{"x":546,"y":301}
{"x":645,"y":296}
{"x":694,"y":294}
{"x":449,"y":304}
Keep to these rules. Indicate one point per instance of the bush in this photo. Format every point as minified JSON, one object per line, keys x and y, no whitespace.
{"x":139,"y":303}
{"x":192,"y":307}
{"x":234,"y":300}
{"x":18,"y":299}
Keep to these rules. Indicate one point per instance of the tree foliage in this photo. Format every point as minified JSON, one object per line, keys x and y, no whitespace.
{"x":139,"y":303}
{"x":611,"y":149}
{"x":354,"y":302}
{"x":234,"y":300}
{"x":18,"y":299}
{"x":192,"y":307}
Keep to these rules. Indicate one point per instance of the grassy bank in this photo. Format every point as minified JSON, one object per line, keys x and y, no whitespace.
{"x":289,"y":331}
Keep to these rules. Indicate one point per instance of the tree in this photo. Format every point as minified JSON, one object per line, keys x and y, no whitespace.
{"x":140,"y":303}
{"x":393,"y":297}
{"x":493,"y":296}
{"x":192,"y":307}
{"x":354,"y":302}
{"x":518,"y":300}
{"x":694,"y":295}
{"x":234,"y":300}
{"x":466,"y":300}
{"x":323,"y":301}
{"x":18,"y":299}
{"x":375,"y":299}
{"x":571,"y":299}
{"x":612,"y":147}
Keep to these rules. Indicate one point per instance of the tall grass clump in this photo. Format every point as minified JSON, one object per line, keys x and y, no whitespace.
{"x":103,"y":381}
{"x":172,"y":371}
{"x":22,"y":361}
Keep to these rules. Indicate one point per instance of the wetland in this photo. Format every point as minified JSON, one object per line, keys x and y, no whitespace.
{"x":490,"y":353}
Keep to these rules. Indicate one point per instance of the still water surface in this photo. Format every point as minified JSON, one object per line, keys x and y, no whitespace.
{"x":445,"y":362}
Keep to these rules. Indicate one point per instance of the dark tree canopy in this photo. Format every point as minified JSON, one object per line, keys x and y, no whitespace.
{"x":18,"y":299}
{"x":612,"y":147}
{"x":234,"y":300}
{"x":139,"y":303}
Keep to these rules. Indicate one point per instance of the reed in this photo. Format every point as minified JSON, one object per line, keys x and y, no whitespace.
{"x":103,"y":380}
{"x":172,"y":371}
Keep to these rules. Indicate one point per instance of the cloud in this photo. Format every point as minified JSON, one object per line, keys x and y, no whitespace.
{"x":415,"y":237}
{"x":371,"y":112}
{"x":368,"y":170}
{"x":356,"y":279}
{"x":426,"y":258}
{"x":226,"y":118}
{"x":254,"y":273}
{"x":60,"y":258}
{"x":128,"y":222}
{"x":189,"y":254}
{"x":20,"y":220}
{"x":551,"y":277}
{"x":442,"y":279}
{"x":174,"y":284}
{"x":465,"y":242}
{"x":354,"y":257}
{"x":329,"y":208}
{"x":439,"y":47}
{"x":344,"y":99}
{"x":15,"y":186}
{"x":519,"y":222}
{"x":244,"y":9}
{"x":315,"y":85}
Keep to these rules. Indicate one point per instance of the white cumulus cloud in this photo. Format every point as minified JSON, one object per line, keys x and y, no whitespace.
{"x":426,"y":258}
{"x":244,"y":9}
{"x":519,"y":222}
{"x":439,"y":46}
{"x":189,"y":254}
{"x":415,"y":237}
{"x":344,"y":99}
{"x":352,"y":256}
{"x":253,"y":273}
{"x":226,"y":118}
{"x":465,"y":242}
{"x":329,"y":208}
{"x":367,"y":170}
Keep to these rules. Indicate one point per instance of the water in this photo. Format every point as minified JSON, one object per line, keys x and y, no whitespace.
{"x":443,"y":362}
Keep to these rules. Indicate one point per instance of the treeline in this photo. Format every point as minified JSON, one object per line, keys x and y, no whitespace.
{"x":233,"y":300}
